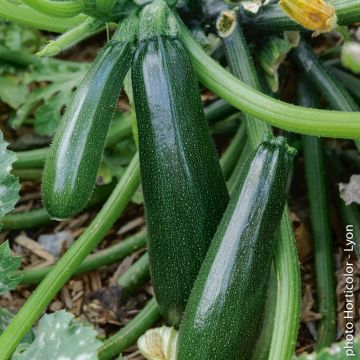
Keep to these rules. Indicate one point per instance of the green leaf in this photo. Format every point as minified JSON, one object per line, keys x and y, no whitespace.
{"x":9,"y":265}
{"x":50,"y":100}
{"x":17,"y":37}
{"x":52,"y":109}
{"x":5,"y":317}
{"x":60,"y":337}
{"x":12,"y":92}
{"x":52,"y":81}
{"x":9,"y":184}
{"x":335,"y":352}
{"x":9,"y":195}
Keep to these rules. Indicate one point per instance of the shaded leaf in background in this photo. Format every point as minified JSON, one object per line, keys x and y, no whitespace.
{"x":60,"y":337}
{"x":49,"y":100}
{"x":9,"y":195}
{"x":9,"y":184}
{"x":9,"y":265}
{"x":118,"y":158}
{"x":114,"y":164}
{"x":16,"y":37}
{"x":5,"y":317}
{"x":12,"y":91}
{"x":335,"y":352}
{"x":48,"y":116}
{"x":54,"y":81}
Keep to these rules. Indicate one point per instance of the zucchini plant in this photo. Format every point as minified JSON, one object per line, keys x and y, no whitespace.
{"x":195,"y":160}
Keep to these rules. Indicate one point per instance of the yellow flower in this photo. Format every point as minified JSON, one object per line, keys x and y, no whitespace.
{"x":314,"y":15}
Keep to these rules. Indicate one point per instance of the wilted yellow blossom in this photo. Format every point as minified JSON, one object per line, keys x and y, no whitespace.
{"x":314,"y":15}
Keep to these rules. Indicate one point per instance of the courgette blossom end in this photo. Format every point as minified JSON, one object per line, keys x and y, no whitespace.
{"x":315,"y":15}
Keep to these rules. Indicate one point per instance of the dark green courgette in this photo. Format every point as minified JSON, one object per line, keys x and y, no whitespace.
{"x":225,"y":309}
{"x":75,"y":154}
{"x":184,"y":190}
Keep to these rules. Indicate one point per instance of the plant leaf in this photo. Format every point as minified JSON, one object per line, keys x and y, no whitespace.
{"x":15,"y":37}
{"x":9,"y":184}
{"x":12,"y":92}
{"x":61,"y":337}
{"x":51,"y":109}
{"x":9,"y":265}
{"x":48,"y":101}
{"x":9,"y":195}
{"x":5,"y":317}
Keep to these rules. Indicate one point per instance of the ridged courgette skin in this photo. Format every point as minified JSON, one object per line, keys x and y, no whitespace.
{"x":225,"y":308}
{"x":184,"y":190}
{"x":75,"y":154}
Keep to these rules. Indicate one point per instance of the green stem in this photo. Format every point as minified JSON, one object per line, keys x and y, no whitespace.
{"x":275,"y":112}
{"x":136,"y":275}
{"x":241,"y":65}
{"x":57,"y":9}
{"x":286,"y":320}
{"x":67,"y":265}
{"x":130,"y":332}
{"x":236,"y":174}
{"x":262,"y":348}
{"x":25,"y":15}
{"x":233,"y":151}
{"x":350,"y":82}
{"x":227,"y":126}
{"x":26,"y":220}
{"x":329,"y":87}
{"x":120,"y":129}
{"x":288,"y":299}
{"x":101,"y":258}
{"x":326,"y":295}
{"x":22,"y":58}
{"x":156,"y":19}
{"x":28,"y":174}
{"x":29,"y":159}
{"x":330,"y":52}
{"x":272,"y":18}
{"x":38,"y":217}
{"x":318,"y":200}
{"x":218,"y":110}
{"x":72,"y":37}
{"x":334,"y":93}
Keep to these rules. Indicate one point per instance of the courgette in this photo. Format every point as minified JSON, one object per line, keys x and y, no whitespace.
{"x":75,"y":154}
{"x":225,"y":309}
{"x":184,"y":189}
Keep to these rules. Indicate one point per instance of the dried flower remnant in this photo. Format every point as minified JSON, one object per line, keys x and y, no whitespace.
{"x":159,"y":344}
{"x":314,"y":15}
